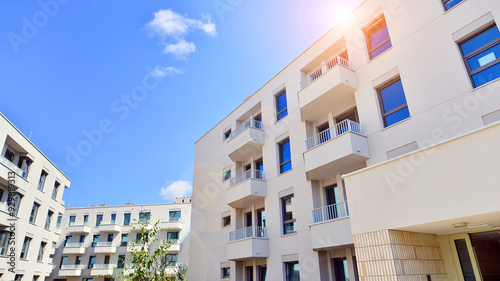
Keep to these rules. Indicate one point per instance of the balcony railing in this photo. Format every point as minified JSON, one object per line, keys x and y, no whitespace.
{"x":72,"y":266}
{"x":248,"y":232}
{"x":107,"y":223}
{"x":333,"y":132}
{"x":330,"y":212}
{"x":250,"y":174}
{"x":13,"y":167}
{"x":173,"y":241}
{"x":103,"y":266}
{"x":74,"y":245}
{"x":247,"y":124}
{"x":324,"y":68}
{"x":4,"y":207}
{"x":76,"y":225}
{"x":104,"y":244}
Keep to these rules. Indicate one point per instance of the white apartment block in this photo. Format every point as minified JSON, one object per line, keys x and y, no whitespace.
{"x":98,"y":241}
{"x":31,"y":191}
{"x":372,"y":156}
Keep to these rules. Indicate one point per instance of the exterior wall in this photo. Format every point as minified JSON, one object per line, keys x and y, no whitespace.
{"x":159,"y":212}
{"x":11,"y":138}
{"x":443,"y":105}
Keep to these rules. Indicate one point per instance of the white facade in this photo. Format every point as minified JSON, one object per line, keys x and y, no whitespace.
{"x":34,"y":187}
{"x":397,"y":80}
{"x":114,"y":227}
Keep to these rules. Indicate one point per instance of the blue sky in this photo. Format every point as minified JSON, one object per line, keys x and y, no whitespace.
{"x":117,"y":92}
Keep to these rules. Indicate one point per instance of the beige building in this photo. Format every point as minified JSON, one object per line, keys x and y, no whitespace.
{"x":371,"y":156}
{"x":31,"y":191}
{"x":98,"y":241}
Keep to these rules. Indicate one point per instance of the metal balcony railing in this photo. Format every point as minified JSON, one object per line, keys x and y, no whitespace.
{"x":248,"y":232}
{"x":250,"y":174}
{"x":247,"y":124}
{"x":333,"y":132}
{"x":330,"y":212}
{"x":324,"y":68}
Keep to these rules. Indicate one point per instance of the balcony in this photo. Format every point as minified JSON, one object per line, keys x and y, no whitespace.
{"x":4,"y":214}
{"x":13,"y":167}
{"x":327,"y":89}
{"x":136,"y":246}
{"x":79,"y":228}
{"x":74,"y":248}
{"x":101,"y":269}
{"x":340,"y":149}
{"x":105,"y":247}
{"x":52,"y":250}
{"x":109,"y":227}
{"x":246,"y":188}
{"x":171,"y":224}
{"x":331,"y":227}
{"x":246,"y":140}
{"x":248,"y":243}
{"x":71,"y":270}
{"x":175,"y":246}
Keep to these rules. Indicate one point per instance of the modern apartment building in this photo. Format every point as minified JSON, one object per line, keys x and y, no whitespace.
{"x":31,"y":191}
{"x":371,"y":156}
{"x":96,"y":243}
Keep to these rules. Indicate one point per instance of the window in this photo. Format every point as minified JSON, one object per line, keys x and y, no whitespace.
{"x":72,"y":220}
{"x":98,"y":220}
{"x":226,"y":221}
{"x":281,"y":106}
{"x":14,"y":202}
{"x":173,"y":236}
{"x":36,"y":277}
{"x":110,"y":237}
{"x":393,"y":103}
{"x":142,"y":238}
{"x":95,"y":240}
{"x":54,"y":244}
{"x":292,"y":271}
{"x":106,"y":259}
{"x":55,"y":190}
{"x":124,"y":240}
{"x":227,"y":134}
{"x":24,"y":163}
{"x":64,"y":261}
{"x":448,"y":4}
{"x":285,"y":156}
{"x":78,"y":260}
{"x":481,"y":54}
{"x":92,"y":260}
{"x":261,"y":217}
{"x":85,"y":219}
{"x":82,"y":238}
{"x":25,"y":248}
{"x":58,"y":222}
{"x":34,"y":212}
{"x":48,"y":220}
{"x":262,"y":272}
{"x":18,"y":277}
{"x":288,"y":216}
{"x":144,"y":217}
{"x":226,"y":273}
{"x":126,"y":219}
{"x":9,"y":155}
{"x":174,"y":215}
{"x":87,"y":279}
{"x":41,"y":181}
{"x":226,"y":175}
{"x":121,"y":261}
{"x":68,"y":240}
{"x":4,"y":242}
{"x":377,"y":37}
{"x":171,"y":259}
{"x":41,"y":251}
{"x":113,"y":218}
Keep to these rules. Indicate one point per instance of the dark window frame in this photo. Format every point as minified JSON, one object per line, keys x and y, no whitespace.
{"x":283,"y":215}
{"x":226,"y":135}
{"x":444,"y":4}
{"x":226,"y":221}
{"x":478,"y":51}
{"x":278,"y":112}
{"x":283,"y":163}
{"x":381,"y":101}
{"x":366,"y":31}
{"x":225,"y":273}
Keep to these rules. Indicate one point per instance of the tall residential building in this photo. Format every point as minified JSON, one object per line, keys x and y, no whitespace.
{"x":97,"y":242}
{"x":371,"y":156}
{"x":31,"y":191}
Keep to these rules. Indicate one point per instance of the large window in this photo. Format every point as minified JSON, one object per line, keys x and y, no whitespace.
{"x":34,"y":212}
{"x":48,"y":220}
{"x":285,"y":156}
{"x":124,"y":240}
{"x":481,"y":54}
{"x":288,"y":215}
{"x":41,"y":181}
{"x":25,"y":248}
{"x":64,"y":261}
{"x":393,"y":103}
{"x":95,"y":240}
{"x":72,"y":220}
{"x":144,"y":217}
{"x":281,"y":106}
{"x":377,"y":37}
{"x":448,"y":4}
{"x":121,"y":261}
{"x":14,"y":202}
{"x":4,"y":242}
{"x":55,"y":190}
{"x":126,"y":219}
{"x":98,"y":220}
{"x":174,"y":215}
{"x":171,"y":259}
{"x":41,"y":251}
{"x":24,"y":163}
{"x":92,"y":261}
{"x":9,"y":155}
{"x":292,"y":271}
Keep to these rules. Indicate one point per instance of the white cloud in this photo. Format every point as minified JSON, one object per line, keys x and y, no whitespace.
{"x":176,"y":189}
{"x":172,"y":29}
{"x":180,"y":49}
{"x":160,"y":71}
